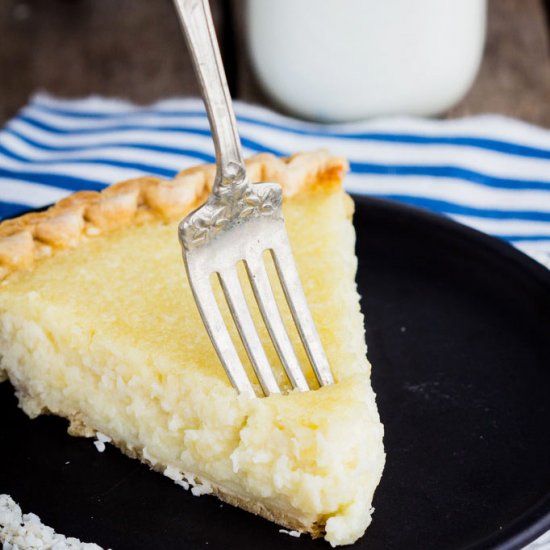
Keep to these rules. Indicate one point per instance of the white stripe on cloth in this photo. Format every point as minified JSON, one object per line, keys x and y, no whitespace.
{"x":34,"y":194}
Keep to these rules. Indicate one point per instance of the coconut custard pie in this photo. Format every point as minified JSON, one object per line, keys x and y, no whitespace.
{"x":98,"y":325}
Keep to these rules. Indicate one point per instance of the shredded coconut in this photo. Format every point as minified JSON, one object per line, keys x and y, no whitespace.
{"x":182,"y":483}
{"x":172,"y":472}
{"x":235,"y":462}
{"x":148,"y":457}
{"x":20,"y":531}
{"x":203,"y":489}
{"x":290,"y":533}
{"x":101,"y":440}
{"x":99,"y":445}
{"x":187,"y":481}
{"x":176,"y":476}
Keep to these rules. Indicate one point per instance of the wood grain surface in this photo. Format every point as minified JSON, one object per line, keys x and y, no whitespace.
{"x":133,"y":49}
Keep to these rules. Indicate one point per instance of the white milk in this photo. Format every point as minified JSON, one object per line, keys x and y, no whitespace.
{"x":338,"y":60}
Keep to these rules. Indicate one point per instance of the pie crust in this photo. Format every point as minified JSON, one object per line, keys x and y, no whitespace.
{"x":86,"y":215}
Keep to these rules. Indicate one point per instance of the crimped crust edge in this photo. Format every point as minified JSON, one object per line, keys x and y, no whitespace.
{"x":88,"y":214}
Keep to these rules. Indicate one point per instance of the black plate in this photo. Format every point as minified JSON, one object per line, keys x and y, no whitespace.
{"x":459,"y":333}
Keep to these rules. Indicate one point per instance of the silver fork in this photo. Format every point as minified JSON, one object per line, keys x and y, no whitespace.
{"x":238,"y":222}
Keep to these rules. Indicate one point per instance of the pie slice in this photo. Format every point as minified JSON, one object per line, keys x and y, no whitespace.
{"x":98,"y":325}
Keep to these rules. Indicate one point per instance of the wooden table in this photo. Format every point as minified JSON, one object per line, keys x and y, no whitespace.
{"x":134,"y":49}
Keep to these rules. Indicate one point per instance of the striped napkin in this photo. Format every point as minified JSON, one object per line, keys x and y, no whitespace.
{"x":488,"y":172}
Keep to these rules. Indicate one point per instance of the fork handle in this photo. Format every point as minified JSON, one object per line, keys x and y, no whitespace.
{"x":196,"y":20}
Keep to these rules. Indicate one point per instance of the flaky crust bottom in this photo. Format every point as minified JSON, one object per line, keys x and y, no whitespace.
{"x":79,"y":428}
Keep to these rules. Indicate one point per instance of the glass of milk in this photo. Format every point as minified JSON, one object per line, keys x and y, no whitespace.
{"x":342,"y":60}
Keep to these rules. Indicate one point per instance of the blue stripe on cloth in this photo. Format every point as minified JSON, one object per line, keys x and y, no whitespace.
{"x":121,"y":127}
{"x":11,"y":209}
{"x":197,"y":113}
{"x":525,"y":238}
{"x":500,"y":146}
{"x":139,"y":166}
{"x":455,"y":172}
{"x":451,"y":208}
{"x":64,"y":181}
{"x":192,"y":153}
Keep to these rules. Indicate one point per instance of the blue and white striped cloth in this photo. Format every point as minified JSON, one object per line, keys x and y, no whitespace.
{"x":488,"y":172}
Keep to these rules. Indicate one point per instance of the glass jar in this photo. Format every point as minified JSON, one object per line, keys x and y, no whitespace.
{"x":341,"y":60}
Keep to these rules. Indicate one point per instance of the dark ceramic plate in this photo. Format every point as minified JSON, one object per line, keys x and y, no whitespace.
{"x":459,"y":335}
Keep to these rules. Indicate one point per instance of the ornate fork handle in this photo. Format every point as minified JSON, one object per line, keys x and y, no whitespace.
{"x":221,"y":211}
{"x":233,"y":196}
{"x":201,"y":40}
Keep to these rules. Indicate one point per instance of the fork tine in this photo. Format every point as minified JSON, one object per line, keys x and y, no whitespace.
{"x":219,"y":335}
{"x":292,"y":287}
{"x":241,"y":315}
{"x":274,"y":323}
